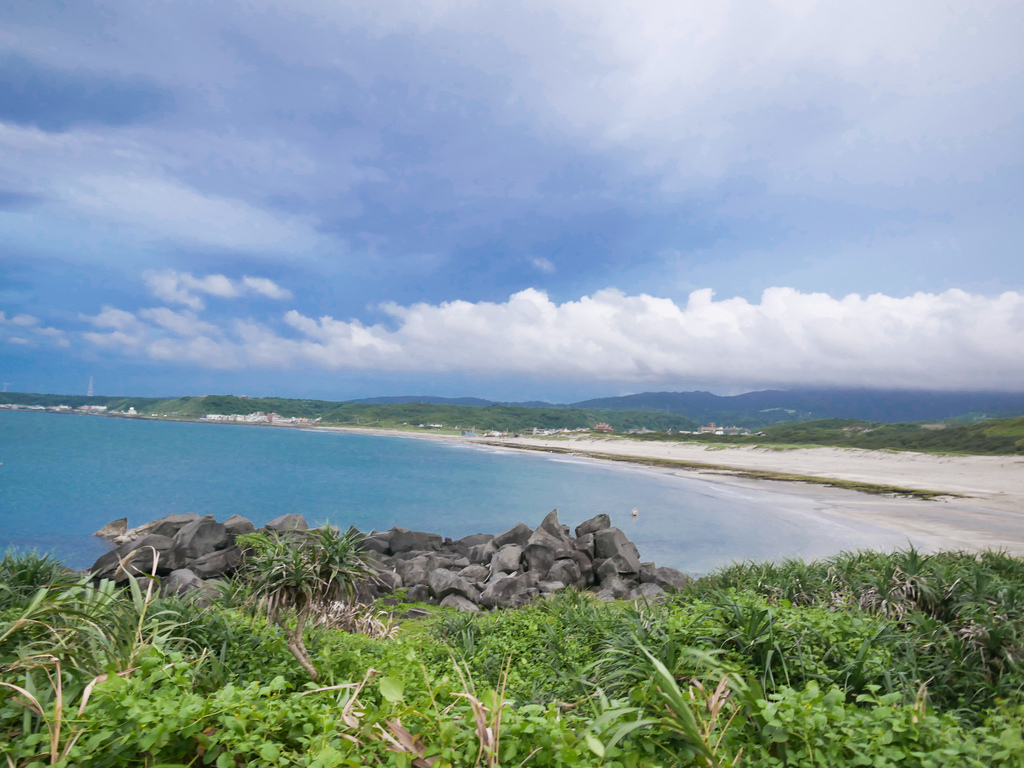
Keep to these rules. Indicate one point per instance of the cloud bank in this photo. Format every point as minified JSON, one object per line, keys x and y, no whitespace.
{"x":949,"y":340}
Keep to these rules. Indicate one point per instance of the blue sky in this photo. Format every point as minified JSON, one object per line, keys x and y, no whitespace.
{"x":550,"y":200}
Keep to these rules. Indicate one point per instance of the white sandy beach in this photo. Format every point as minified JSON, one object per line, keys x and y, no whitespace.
{"x":990,"y":514}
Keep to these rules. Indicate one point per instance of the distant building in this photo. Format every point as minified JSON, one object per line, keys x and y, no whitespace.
{"x":708,"y":429}
{"x":602,"y":427}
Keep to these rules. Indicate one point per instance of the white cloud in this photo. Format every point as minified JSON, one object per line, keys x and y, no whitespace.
{"x":24,"y":320}
{"x":542,"y":264}
{"x":182,"y":287}
{"x":936,"y":341}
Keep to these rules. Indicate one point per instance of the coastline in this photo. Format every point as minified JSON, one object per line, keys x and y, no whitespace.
{"x":971,"y":502}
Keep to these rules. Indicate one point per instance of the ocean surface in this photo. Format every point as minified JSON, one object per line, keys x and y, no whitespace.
{"x":64,"y":476}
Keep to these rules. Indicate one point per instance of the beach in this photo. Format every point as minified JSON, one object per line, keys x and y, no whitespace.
{"x":984,"y":508}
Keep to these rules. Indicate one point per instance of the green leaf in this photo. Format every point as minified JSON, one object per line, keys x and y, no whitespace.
{"x":595,"y":745}
{"x":270,"y":752}
{"x":391,"y":689}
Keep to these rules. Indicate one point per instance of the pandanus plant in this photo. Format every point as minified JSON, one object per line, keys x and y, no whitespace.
{"x":297,"y":575}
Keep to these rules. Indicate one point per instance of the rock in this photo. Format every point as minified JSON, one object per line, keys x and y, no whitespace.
{"x":287,"y":523}
{"x":373,"y":544}
{"x":460,"y":562}
{"x":365,"y":591}
{"x":611,"y":541}
{"x":518,"y":534}
{"x":389,"y":581}
{"x":647,"y":573}
{"x":420,"y":593}
{"x":482,"y":553}
{"x":404,"y":540}
{"x":198,"y":538}
{"x":507,"y":559}
{"x":180,"y":582}
{"x":586,"y":567}
{"x":593,"y":525}
{"x":585,"y":543}
{"x":670,"y":579}
{"x":615,"y":587}
{"x":140,"y":555}
{"x":382,"y":535}
{"x":416,"y":571}
{"x":567,"y":572}
{"x":222,"y":562}
{"x":605,"y":571}
{"x":647,"y":592}
{"x":236,"y":525}
{"x":444,"y":583}
{"x":624,"y":565}
{"x":508,"y":592}
{"x":548,"y":587}
{"x":465,"y":543}
{"x":538,"y":558}
{"x":459,"y":603}
{"x":475,"y":574}
{"x":113,"y":529}
{"x":550,"y":533}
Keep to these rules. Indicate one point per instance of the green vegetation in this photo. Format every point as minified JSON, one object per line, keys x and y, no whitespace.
{"x":998,"y":437}
{"x":861,"y":660}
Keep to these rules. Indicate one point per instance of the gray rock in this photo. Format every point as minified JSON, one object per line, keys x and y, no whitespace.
{"x":508,"y":592}
{"x":550,"y":533}
{"x":593,"y":525}
{"x":459,"y":603}
{"x":482,"y":553}
{"x":585,"y":543}
{"x":404,"y":540}
{"x":222,"y":562}
{"x":547,"y":587}
{"x":507,"y":559}
{"x":472,"y":541}
{"x":647,"y":573}
{"x":287,"y":523}
{"x":382,"y":535}
{"x":625,"y":566}
{"x":518,"y":534}
{"x":373,"y":544}
{"x":605,"y":571}
{"x":198,"y":538}
{"x":586,"y":567}
{"x":670,"y":579}
{"x":444,"y":583}
{"x":236,"y":525}
{"x":612,"y":541}
{"x":113,"y":529}
{"x":420,"y":593}
{"x":416,"y":571}
{"x":538,"y":559}
{"x":389,"y":581}
{"x":567,"y":572}
{"x":616,"y":587}
{"x":475,"y":574}
{"x":647,"y":592}
{"x":180,"y":582}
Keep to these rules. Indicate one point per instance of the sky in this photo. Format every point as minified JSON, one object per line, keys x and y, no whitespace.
{"x":516,"y":200}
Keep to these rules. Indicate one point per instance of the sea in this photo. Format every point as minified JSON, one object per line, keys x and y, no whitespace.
{"x":64,"y":476}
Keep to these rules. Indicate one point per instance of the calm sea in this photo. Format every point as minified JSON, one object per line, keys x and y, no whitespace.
{"x":65,"y":476}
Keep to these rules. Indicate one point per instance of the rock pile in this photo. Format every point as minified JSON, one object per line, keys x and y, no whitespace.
{"x":479,"y":571}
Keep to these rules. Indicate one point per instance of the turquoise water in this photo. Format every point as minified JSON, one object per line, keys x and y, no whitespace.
{"x":65,"y":476}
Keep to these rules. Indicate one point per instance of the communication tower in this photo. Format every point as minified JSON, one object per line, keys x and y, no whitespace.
{"x":89,"y":393}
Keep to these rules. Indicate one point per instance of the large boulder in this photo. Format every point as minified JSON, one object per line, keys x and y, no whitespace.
{"x":223,"y":562}
{"x":475,"y":574}
{"x":236,"y":525}
{"x":670,"y":579}
{"x":464,"y":544}
{"x":605,"y":570}
{"x":518,"y":534}
{"x":404,"y":540}
{"x":482,"y":553}
{"x":586,"y":567}
{"x":507,"y":559}
{"x":389,"y":581}
{"x":113,"y":529}
{"x":180,"y":582}
{"x":508,"y":592}
{"x":538,"y":559}
{"x":550,"y":533}
{"x":585,"y":543}
{"x":613,"y":589}
{"x":287,"y":524}
{"x":198,"y":538}
{"x":417,"y":570}
{"x":373,"y":544}
{"x":567,"y":572}
{"x":443,"y":583}
{"x":459,"y":603}
{"x":418,"y":593}
{"x":610,"y":542}
{"x":647,"y":592}
{"x":593,"y":525}
{"x":139,"y":556}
